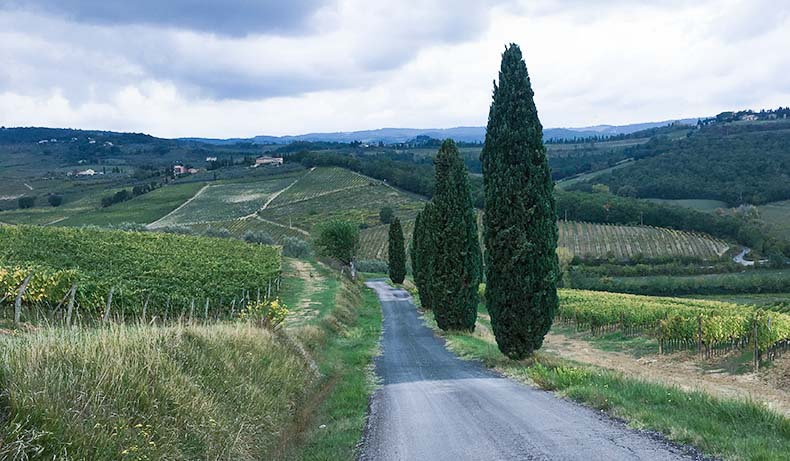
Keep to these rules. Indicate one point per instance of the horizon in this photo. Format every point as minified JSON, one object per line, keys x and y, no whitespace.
{"x":238,"y":70}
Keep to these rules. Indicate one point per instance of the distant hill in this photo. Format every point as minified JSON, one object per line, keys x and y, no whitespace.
{"x":461,"y":134}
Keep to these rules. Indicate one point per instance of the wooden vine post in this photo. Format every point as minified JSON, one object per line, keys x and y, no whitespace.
{"x":699,"y":334}
{"x":70,"y":308}
{"x":106,"y":317}
{"x":18,"y":303}
{"x":756,"y":346}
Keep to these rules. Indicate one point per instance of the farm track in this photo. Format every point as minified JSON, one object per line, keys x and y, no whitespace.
{"x":153,"y":225}
{"x":273,"y":223}
{"x":434,"y":406}
{"x":275,"y":195}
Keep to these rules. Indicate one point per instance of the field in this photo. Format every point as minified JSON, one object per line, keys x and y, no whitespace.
{"x":168,"y":270}
{"x":221,"y":202}
{"x":777,"y":217}
{"x":600,"y":241}
{"x":143,"y":209}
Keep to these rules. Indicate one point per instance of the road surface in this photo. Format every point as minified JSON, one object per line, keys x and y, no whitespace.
{"x":433,"y":406}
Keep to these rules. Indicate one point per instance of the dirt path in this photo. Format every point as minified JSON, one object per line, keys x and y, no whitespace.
{"x":681,"y":369}
{"x":305,"y":309}
{"x":155,"y":224}
{"x":274,"y":196}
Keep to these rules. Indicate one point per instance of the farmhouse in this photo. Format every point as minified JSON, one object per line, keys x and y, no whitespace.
{"x":88,"y":172}
{"x":266,"y":160}
{"x":179,"y":170}
{"x":211,"y":159}
{"x":192,"y":170}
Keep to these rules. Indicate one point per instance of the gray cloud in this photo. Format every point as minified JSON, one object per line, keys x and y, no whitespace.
{"x":224,"y":17}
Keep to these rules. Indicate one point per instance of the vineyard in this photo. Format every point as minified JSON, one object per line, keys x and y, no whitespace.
{"x":319,"y":182}
{"x":165,"y":274}
{"x":605,"y":241}
{"x":709,"y":326}
{"x":374,"y":241}
{"x":223,"y":202}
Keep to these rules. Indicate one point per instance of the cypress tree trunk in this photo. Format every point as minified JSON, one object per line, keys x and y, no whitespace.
{"x":456,"y":265}
{"x":397,"y":252}
{"x":520,"y":218}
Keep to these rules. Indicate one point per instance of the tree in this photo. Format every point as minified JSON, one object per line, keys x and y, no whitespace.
{"x":55,"y":200}
{"x":397,"y":252}
{"x":338,"y":239}
{"x":422,"y":248}
{"x":520,"y":218}
{"x":456,"y":262}
{"x":26,"y":202}
{"x":385,"y":215}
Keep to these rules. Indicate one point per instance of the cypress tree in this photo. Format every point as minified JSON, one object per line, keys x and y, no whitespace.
{"x":455,"y":271}
{"x":423,"y":246}
{"x":397,"y":252}
{"x":520,"y":218}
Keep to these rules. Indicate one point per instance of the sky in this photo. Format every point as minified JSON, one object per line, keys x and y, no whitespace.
{"x":239,"y":68}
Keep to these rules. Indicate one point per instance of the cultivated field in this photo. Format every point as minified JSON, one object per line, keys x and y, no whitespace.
{"x":160,"y":271}
{"x":221,"y":202}
{"x":602,"y":241}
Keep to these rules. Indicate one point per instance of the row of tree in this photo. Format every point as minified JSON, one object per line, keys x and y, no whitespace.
{"x":520,"y":229}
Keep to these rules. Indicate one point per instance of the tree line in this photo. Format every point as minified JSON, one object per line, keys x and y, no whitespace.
{"x":520,"y":234}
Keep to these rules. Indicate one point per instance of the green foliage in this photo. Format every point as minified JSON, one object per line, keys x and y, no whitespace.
{"x":55,"y":200}
{"x":386,"y":214}
{"x":397,"y":252}
{"x":269,"y":314}
{"x":259,"y":237}
{"x":672,"y":319}
{"x":520,"y":219}
{"x":456,"y":260}
{"x":372,"y":265}
{"x":294,"y":247}
{"x":26,"y":202}
{"x":339,"y":240}
{"x":422,"y":252}
{"x":737,"y":163}
{"x":164,"y":266}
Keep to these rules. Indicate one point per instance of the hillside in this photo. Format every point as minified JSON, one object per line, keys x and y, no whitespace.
{"x":739,"y":162}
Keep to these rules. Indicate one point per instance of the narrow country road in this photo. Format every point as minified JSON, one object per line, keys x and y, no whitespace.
{"x":433,"y":406}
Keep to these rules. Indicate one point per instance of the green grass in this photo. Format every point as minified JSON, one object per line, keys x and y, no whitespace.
{"x":143,"y":209}
{"x":132,"y":392}
{"x":346,"y":362}
{"x":731,"y":429}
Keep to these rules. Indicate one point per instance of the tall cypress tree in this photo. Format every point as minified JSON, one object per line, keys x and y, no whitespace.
{"x":520,"y":217}
{"x":397,"y":252}
{"x":455,"y":272}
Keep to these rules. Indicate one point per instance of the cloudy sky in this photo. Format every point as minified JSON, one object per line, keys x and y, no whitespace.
{"x":230,"y":68}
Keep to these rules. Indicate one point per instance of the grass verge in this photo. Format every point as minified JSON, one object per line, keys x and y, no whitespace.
{"x":732,"y":429}
{"x":344,"y":343}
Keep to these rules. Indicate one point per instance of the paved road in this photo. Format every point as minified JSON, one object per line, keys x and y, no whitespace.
{"x":433,"y":406}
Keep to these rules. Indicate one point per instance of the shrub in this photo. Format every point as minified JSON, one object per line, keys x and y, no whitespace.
{"x":55,"y":200}
{"x":259,"y":237}
{"x":385,"y":215}
{"x":296,"y":248}
{"x":373,"y":265}
{"x":219,"y":232}
{"x":26,"y":202}
{"x":265,"y":314}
